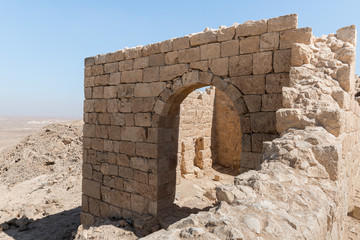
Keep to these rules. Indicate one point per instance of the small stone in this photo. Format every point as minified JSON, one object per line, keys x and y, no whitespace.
{"x":252,"y":223}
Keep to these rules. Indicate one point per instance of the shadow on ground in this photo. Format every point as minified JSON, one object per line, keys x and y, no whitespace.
{"x":55,"y":227}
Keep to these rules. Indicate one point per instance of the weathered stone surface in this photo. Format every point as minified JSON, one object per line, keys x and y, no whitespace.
{"x":300,"y":35}
{"x":282,"y":23}
{"x":275,"y":82}
{"x":250,"y":28}
{"x":253,"y":102}
{"x":271,"y":102}
{"x":226,"y":33}
{"x":210,"y":51}
{"x":230,"y":48}
{"x":254,"y":84}
{"x":347,"y":34}
{"x":240,"y":65}
{"x":269,"y":41}
{"x":300,"y":54}
{"x":189,"y":55}
{"x":263,"y":122}
{"x":203,"y":38}
{"x":181,"y":43}
{"x":249,"y":45}
{"x":262,"y":63}
{"x":131,"y":76}
{"x":282,"y":60}
{"x":219,"y":66}
{"x":172,"y":71}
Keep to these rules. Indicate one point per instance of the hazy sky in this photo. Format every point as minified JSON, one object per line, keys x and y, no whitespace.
{"x":43,"y":43}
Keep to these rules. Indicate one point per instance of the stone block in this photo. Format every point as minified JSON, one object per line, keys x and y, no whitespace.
{"x":145,"y":104}
{"x":109,"y":169}
{"x":219,"y":83}
{"x":141,"y":177}
{"x":100,"y":59}
{"x":104,"y":118}
{"x":253,"y":102}
{"x":263,"y":122}
{"x":203,"y":38}
{"x":205,"y":78}
{"x":300,"y":54}
{"x":97,"y":70}
{"x":258,"y":139}
{"x":269,"y":41}
{"x":131,"y":53}
{"x":114,"y":132}
{"x":189,"y":55}
{"x":89,"y":81}
{"x":219,"y":66}
{"x":139,"y":164}
{"x":347,"y":34}
{"x":172,"y":71}
{"x":102,"y":80}
{"x":91,"y":188}
{"x":190,"y":78}
{"x":262,"y":63}
{"x":245,"y":124}
{"x":282,"y":60}
{"x":110,"y":57}
{"x":157,"y":60}
{"x":143,"y":119}
{"x":100,"y":105}
{"x":201,"y":65}
{"x":110,"y":92}
{"x":149,"y":89}
{"x":133,"y":76}
{"x":125,"y":105}
{"x":210,"y":51}
{"x":120,"y":199}
{"x":133,"y":134}
{"x":114,"y":78}
{"x":141,"y":63}
{"x":275,"y":82}
{"x":181,"y":43}
{"x":282,"y":23}
{"x":127,"y":148}
{"x":151,"y":49}
{"x":86,"y":219}
{"x":240,"y":65}
{"x":300,"y":35}
{"x":250,"y":160}
{"x":147,"y":150}
{"x":230,"y":48}
{"x":246,"y":143}
{"x":111,"y":67}
{"x":151,"y":74}
{"x":249,"y":45}
{"x":98,"y":92}
{"x":250,"y":28}
{"x":105,"y":210}
{"x":119,"y":55}
{"x":126,"y":65}
{"x":172,"y":58}
{"x":226,"y":33}
{"x":233,"y":92}
{"x":112,"y":105}
{"x":166,"y":46}
{"x":254,"y":84}
{"x":89,"y":61}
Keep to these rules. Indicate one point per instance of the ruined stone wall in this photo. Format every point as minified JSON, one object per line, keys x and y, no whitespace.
{"x":228,"y":136}
{"x":132,"y":106}
{"x":195,"y":132}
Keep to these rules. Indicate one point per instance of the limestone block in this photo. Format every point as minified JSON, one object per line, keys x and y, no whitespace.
{"x":131,"y":76}
{"x":88,"y":105}
{"x":219,"y":66}
{"x":219,"y":83}
{"x":143,"y":119}
{"x":119,"y":55}
{"x":157,"y":60}
{"x":275,"y":82}
{"x":291,"y":118}
{"x":86,"y":219}
{"x":89,"y":61}
{"x":181,"y":43}
{"x":203,"y":38}
{"x":117,"y":119}
{"x":300,"y":35}
{"x":253,"y":102}
{"x":120,"y":199}
{"x":166,"y":46}
{"x":141,"y":63}
{"x":125,"y":90}
{"x":100,"y":59}
{"x":269,"y":41}
{"x":230,"y":48}
{"x":258,"y":139}
{"x":126,"y":65}
{"x":110,"y":57}
{"x":245,"y":124}
{"x":102,"y":80}
{"x":133,"y":134}
{"x":112,"y":106}
{"x":114,"y":78}
{"x":111,"y":67}
{"x":262,"y":63}
{"x":89,"y":81}
{"x":147,"y":150}
{"x":91,"y":188}
{"x":254,"y":84}
{"x":114,"y":132}
{"x":151,"y":49}
{"x":232,"y":92}
{"x":149,"y":89}
{"x":201,"y":65}
{"x":356,"y":212}
{"x":240,"y":65}
{"x":271,"y":102}
{"x":97,"y":70}
{"x":151,"y":74}
{"x":346,"y":55}
{"x":225,"y":34}
{"x":210,"y":51}
{"x":282,"y":60}
{"x":300,"y":54}
{"x":110,"y":92}
{"x":109,"y":169}
{"x":282,"y":23}
{"x":87,"y":72}
{"x":345,"y":78}
{"x":172,"y":58}
{"x":347,"y":34}
{"x":131,"y":53}
{"x":98,"y":92}
{"x":97,"y":144}
{"x":205,"y":78}
{"x":172,"y":71}
{"x":100,"y":105}
{"x":263,"y":122}
{"x":159,"y":106}
{"x":127,"y":148}
{"x":189,"y":55}
{"x":250,"y":28}
{"x":190,"y":78}
{"x":250,"y":160}
{"x":249,"y":45}
{"x":246,"y":143}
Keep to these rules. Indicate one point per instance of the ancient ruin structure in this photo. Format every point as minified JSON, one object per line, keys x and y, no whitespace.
{"x":294,"y":96}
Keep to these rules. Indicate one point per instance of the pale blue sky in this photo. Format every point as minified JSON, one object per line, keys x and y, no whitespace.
{"x":43,"y":43}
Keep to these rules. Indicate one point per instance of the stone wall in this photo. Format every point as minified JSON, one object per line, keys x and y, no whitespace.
{"x":132,"y":106}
